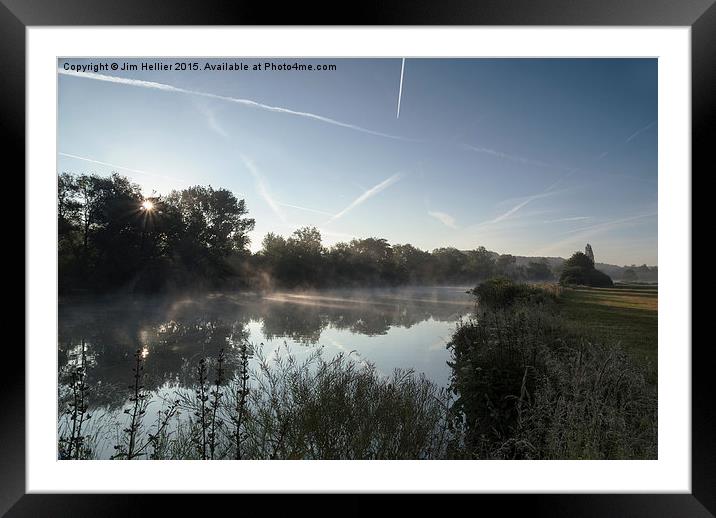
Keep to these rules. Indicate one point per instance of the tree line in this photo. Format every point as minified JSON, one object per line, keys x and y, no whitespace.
{"x":111,"y":237}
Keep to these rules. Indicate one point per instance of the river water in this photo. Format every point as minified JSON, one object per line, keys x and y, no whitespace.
{"x":405,"y":328}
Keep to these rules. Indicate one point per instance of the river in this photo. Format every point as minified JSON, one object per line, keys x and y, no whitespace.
{"x":405,"y":328}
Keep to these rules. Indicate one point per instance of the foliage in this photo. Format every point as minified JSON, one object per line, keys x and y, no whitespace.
{"x":109,"y":238}
{"x":336,"y":408}
{"x":589,"y":252}
{"x":197,"y":238}
{"x":73,"y":443}
{"x":500,"y":293}
{"x":579,"y":260}
{"x":341,"y":409}
{"x":574,"y":275}
{"x":579,"y":270}
{"x":529,"y":389}
{"x":539,"y":271}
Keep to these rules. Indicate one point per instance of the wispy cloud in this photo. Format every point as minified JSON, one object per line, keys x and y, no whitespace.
{"x":367,"y":195}
{"x":245,"y":102}
{"x":520,"y":205}
{"x":442,"y":217}
{"x":611,"y":224}
{"x":307,"y":209}
{"x":510,"y":212}
{"x":573,"y":218}
{"x":123,"y":168}
{"x":640,"y":131}
{"x":579,"y":235}
{"x":212,"y":121}
{"x":515,"y":158}
{"x":262,"y":188}
{"x":628,"y":139}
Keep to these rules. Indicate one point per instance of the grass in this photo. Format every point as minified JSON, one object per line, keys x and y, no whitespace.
{"x":532,"y":385}
{"x":319,"y":408}
{"x":627,"y":314}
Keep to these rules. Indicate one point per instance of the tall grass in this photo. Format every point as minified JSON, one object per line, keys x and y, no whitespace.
{"x":339,"y":409}
{"x":73,"y":443}
{"x":283,"y":408}
{"x":529,"y":389}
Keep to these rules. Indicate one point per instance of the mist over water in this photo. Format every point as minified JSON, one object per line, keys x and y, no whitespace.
{"x":404,"y":328}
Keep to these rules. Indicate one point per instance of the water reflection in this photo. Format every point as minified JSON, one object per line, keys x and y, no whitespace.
{"x":393,"y":328}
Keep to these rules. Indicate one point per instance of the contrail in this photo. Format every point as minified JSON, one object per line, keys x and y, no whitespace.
{"x":543,"y":194}
{"x":640,"y":130}
{"x":610,"y":224}
{"x":262,"y":189}
{"x":515,"y":158}
{"x":400,"y":89}
{"x":245,"y":102}
{"x":510,"y":212}
{"x":366,"y":195}
{"x":108,"y":164}
{"x":547,"y":192}
{"x":305,"y":208}
{"x":583,"y":233}
{"x":563,"y":220}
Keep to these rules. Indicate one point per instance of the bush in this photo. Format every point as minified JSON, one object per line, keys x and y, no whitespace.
{"x":528,"y":389}
{"x":577,"y":275}
{"x":501,"y":293}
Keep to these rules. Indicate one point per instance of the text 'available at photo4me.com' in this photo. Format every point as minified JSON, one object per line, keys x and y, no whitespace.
{"x":198,"y":66}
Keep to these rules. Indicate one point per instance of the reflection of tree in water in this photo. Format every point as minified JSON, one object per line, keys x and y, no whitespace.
{"x":301,"y":323}
{"x":175,"y":334}
{"x":303,"y":317}
{"x":172,"y":343}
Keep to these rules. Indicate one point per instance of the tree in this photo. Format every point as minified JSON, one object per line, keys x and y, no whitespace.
{"x":413,"y":265}
{"x":539,"y":271}
{"x":579,"y":260}
{"x":450,"y":264}
{"x":214,"y":219}
{"x":505,"y":265}
{"x":305,"y":257}
{"x":372,"y":259}
{"x":480,"y":264}
{"x":110,"y":236}
{"x":589,"y":253}
{"x":579,"y":269}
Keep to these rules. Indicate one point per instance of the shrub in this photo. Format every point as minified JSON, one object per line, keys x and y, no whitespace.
{"x":528,"y":389}
{"x":501,"y":293}
{"x":576,"y":275}
{"x":579,"y":270}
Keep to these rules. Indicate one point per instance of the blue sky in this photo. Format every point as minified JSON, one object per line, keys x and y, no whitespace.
{"x":522,"y":156}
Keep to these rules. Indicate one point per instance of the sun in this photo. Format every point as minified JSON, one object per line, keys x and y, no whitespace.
{"x":148,"y":205}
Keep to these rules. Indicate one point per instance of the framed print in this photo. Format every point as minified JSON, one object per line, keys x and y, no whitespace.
{"x":440,"y":250}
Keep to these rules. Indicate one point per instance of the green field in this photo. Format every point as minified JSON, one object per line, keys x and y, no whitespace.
{"x":627,"y":314}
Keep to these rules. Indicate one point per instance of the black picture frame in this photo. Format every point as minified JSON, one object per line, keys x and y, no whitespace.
{"x":700,"y":15}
